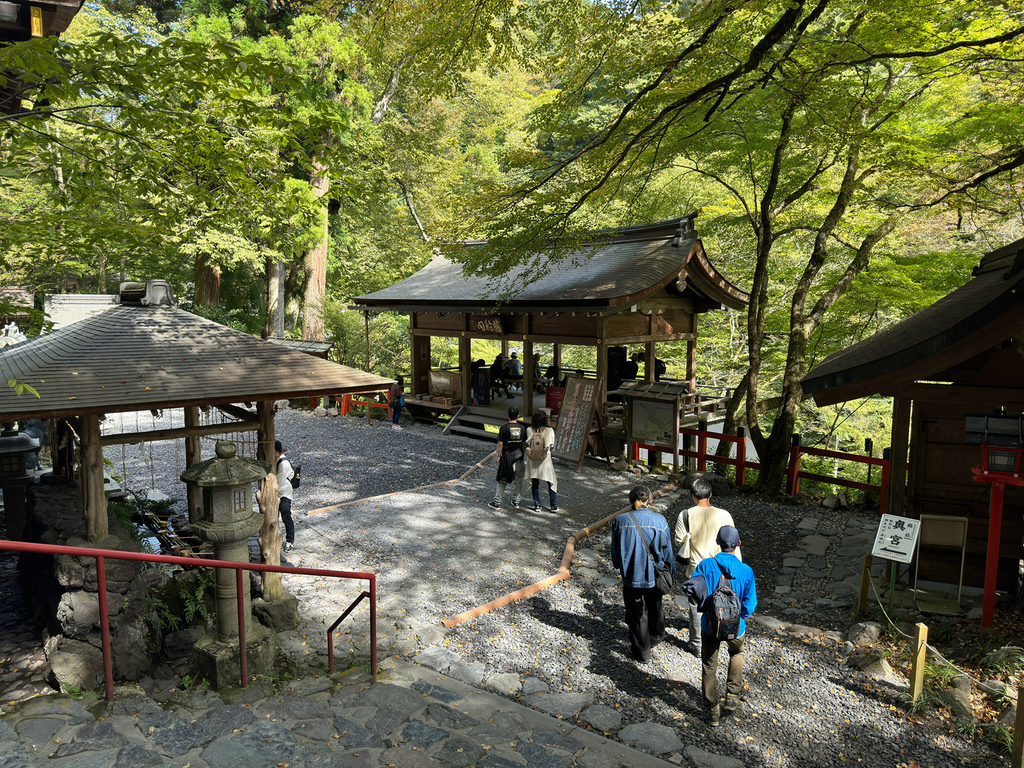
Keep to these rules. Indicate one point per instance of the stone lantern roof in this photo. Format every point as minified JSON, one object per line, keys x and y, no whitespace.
{"x":226,"y":469}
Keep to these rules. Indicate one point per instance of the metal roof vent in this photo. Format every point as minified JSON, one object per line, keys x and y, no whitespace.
{"x":155,"y":293}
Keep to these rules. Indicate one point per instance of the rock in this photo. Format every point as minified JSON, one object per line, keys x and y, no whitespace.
{"x":504,"y":683}
{"x":75,"y":664}
{"x":865,"y":633}
{"x":699,"y":758}
{"x":768,"y":622}
{"x":533,"y":685}
{"x":78,"y":613}
{"x":604,"y":719}
{"x":131,"y":656}
{"x":560,"y":704}
{"x":849,"y":648}
{"x":651,"y":737}
{"x":873,"y":665}
{"x":280,"y":615}
{"x":437,"y":658}
{"x":320,"y":411}
{"x":178,"y":645}
{"x":333,"y":412}
{"x":814,"y":545}
{"x":620,"y":465}
{"x":720,"y":486}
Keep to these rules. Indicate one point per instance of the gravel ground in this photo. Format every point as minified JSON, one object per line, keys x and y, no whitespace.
{"x":441,"y":551}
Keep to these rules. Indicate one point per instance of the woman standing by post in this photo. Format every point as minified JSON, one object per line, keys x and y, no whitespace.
{"x":540,"y":440}
{"x":397,"y":400}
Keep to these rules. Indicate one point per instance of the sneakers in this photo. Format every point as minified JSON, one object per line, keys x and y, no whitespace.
{"x":537,"y":508}
{"x":713,"y":717}
{"x":395,"y":426}
{"x":555,"y":510}
{"x":516,"y":502}
{"x":287,"y":547}
{"x":732,"y":703}
{"x":493,"y":505}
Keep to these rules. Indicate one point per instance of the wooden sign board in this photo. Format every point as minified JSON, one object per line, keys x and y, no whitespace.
{"x":896,"y":538}
{"x":575,"y":419}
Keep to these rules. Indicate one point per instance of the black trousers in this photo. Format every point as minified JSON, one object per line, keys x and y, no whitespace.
{"x":645,"y":618}
{"x":285,"y":508}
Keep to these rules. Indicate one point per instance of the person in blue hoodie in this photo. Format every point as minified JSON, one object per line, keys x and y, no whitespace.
{"x":742,"y":576}
{"x":645,"y":616}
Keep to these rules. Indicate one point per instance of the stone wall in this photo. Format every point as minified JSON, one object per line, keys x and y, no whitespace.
{"x":63,"y":594}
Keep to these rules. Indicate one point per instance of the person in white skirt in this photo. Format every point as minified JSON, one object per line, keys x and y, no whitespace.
{"x":540,"y":440}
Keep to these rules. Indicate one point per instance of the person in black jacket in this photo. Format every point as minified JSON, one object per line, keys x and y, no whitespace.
{"x":511,"y":450}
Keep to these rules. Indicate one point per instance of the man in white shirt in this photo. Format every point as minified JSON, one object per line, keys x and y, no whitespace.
{"x":695,"y":538}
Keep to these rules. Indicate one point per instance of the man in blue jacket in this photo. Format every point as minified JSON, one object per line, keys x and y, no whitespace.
{"x":645,"y":616}
{"x":742,"y":576}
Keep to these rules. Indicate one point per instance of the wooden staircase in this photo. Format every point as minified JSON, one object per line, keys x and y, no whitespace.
{"x":470,"y":421}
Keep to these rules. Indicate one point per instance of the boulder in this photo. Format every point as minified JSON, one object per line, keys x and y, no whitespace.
{"x":280,"y":615}
{"x":74,"y":664}
{"x":865,"y":633}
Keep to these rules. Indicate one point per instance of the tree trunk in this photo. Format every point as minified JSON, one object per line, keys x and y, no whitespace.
{"x":275,"y":297}
{"x":316,"y":263}
{"x":207,"y":291}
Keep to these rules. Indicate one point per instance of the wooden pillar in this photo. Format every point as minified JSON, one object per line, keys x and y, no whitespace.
{"x":420,"y":364}
{"x":466,"y":367}
{"x":528,"y":378}
{"x":649,"y":349}
{"x":899,"y":455}
{"x":691,"y":365}
{"x":556,"y":360}
{"x":92,"y":479}
{"x":193,"y":454}
{"x":602,"y":374}
{"x":265,"y":434}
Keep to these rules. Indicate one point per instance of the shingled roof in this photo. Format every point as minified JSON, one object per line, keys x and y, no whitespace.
{"x":972,"y":318}
{"x":612,"y":270}
{"x":130,"y":358}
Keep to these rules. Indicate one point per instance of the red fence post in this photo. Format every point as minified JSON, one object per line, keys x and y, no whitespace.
{"x":793,"y":472}
{"x":741,"y":456}
{"x":883,"y":494}
{"x":702,"y":445}
{"x":108,"y":663}
{"x":346,"y":404}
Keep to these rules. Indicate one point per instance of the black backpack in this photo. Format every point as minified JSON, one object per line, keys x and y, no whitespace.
{"x":724,"y":608}
{"x":296,"y":477}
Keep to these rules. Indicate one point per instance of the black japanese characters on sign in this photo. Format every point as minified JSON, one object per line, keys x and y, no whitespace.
{"x":486,"y":323}
{"x":575,"y":418}
{"x":896,"y":538}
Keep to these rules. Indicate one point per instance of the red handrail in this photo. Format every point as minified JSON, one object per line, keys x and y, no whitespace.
{"x":101,"y":556}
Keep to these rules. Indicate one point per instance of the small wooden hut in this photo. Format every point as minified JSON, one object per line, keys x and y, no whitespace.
{"x":963,"y":354}
{"x":144,"y":354}
{"x":636,"y":285}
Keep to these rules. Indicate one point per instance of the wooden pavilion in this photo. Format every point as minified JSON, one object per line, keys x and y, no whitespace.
{"x":963,"y":354}
{"x":637,"y":285}
{"x":146,"y":354}
{"x":21,"y":20}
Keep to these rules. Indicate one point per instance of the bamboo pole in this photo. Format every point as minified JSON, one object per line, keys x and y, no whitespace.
{"x":562,"y":573}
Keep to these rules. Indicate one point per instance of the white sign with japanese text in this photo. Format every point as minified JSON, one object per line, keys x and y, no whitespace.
{"x":896,"y":539}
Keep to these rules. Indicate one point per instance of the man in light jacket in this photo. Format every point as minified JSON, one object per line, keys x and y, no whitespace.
{"x":695,"y":539}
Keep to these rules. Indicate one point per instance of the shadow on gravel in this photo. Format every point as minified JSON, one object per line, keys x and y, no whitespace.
{"x":603,"y":630}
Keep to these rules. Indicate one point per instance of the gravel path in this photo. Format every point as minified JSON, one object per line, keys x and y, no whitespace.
{"x":440,"y":551}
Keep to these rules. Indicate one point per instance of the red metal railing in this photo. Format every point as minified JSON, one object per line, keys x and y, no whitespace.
{"x":101,"y":555}
{"x":794,"y":472}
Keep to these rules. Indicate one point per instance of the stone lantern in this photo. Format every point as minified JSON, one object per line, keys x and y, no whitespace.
{"x":227,"y":521}
{"x":14,"y":477}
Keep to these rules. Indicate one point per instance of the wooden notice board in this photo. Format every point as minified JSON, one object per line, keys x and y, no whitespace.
{"x":575,"y":418}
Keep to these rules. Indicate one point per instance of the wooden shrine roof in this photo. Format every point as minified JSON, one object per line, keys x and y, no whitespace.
{"x":131,"y":357}
{"x":974,"y":317}
{"x":612,"y":270}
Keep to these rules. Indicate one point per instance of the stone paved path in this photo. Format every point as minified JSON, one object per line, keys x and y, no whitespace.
{"x":417,"y":715}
